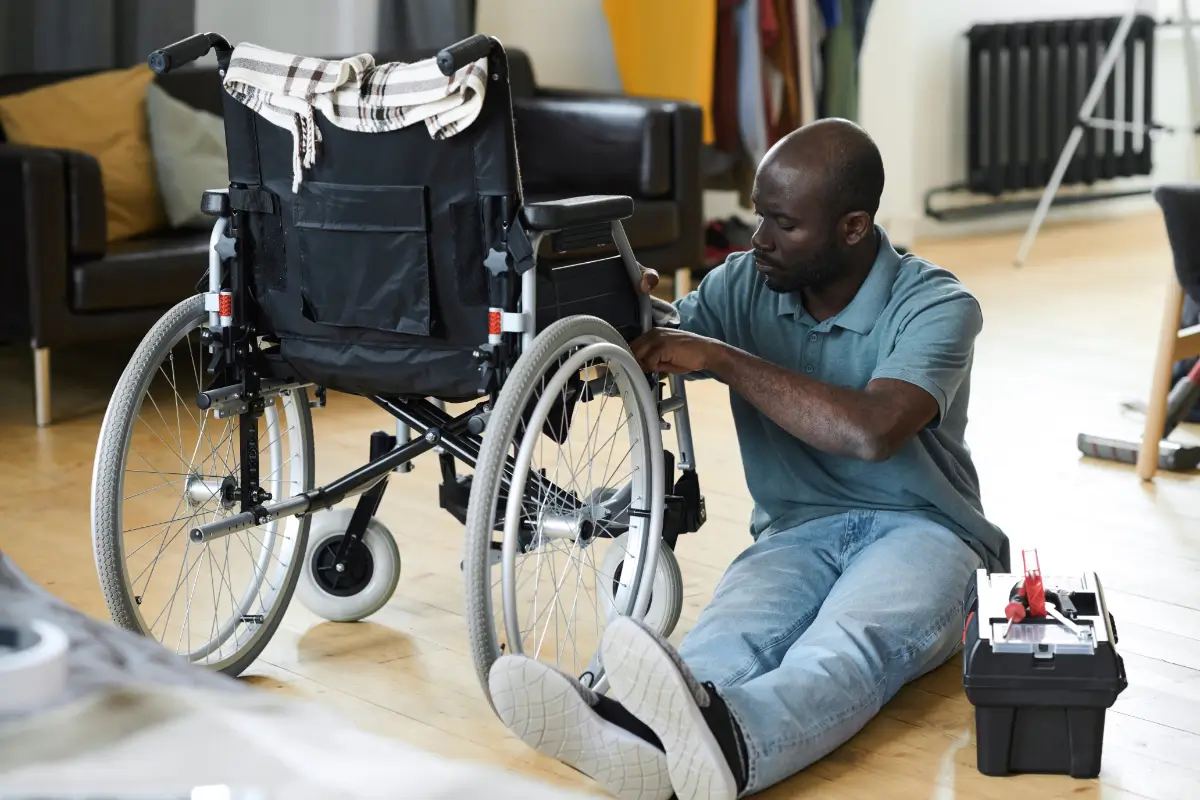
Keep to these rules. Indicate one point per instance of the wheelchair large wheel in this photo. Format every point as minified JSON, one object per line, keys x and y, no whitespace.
{"x":571,"y":459}
{"x":162,"y":467}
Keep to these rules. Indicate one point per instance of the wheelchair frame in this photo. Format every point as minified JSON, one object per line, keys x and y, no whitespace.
{"x":244,"y":375}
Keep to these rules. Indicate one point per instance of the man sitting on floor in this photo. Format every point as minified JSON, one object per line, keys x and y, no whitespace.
{"x":849,"y":372}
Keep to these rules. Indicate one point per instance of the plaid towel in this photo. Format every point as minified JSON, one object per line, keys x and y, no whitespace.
{"x":353,"y":94}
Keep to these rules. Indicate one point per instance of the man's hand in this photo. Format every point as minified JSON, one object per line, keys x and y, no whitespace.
{"x":673,"y":352}
{"x":649,"y":280}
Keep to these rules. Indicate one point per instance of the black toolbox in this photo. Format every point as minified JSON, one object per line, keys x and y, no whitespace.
{"x":1040,"y":689}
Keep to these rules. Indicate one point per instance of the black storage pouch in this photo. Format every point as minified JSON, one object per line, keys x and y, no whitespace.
{"x":364,"y":256}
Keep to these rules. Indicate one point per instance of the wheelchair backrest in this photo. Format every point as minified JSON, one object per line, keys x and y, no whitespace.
{"x":386,"y":236}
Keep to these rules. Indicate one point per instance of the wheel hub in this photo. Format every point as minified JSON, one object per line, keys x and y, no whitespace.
{"x":347,"y":578}
{"x":579,"y":526}
{"x":201,"y":492}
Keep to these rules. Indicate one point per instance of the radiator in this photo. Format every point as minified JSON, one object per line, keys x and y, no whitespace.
{"x":1026,"y":83}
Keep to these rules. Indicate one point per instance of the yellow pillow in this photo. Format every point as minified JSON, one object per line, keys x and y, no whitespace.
{"x":103,"y":115}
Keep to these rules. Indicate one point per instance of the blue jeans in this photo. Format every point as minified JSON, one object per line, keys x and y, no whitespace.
{"x":813,"y":629}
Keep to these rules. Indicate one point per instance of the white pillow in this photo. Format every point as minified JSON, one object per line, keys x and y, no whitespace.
{"x":189,"y":156}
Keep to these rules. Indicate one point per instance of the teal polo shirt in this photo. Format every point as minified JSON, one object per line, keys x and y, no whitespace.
{"x":910,"y":321}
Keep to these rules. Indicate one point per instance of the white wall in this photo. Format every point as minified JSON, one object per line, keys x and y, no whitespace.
{"x":308,"y":27}
{"x":913,"y":95}
{"x":567,"y":40}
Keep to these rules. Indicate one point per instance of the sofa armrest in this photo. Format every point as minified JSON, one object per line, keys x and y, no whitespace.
{"x":583,"y":145}
{"x":33,"y":243}
{"x":87,"y":220}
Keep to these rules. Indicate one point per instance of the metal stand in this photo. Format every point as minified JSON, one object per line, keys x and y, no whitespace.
{"x":1085,"y":119}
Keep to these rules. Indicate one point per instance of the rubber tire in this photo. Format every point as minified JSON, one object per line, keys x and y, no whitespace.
{"x":666,"y":598}
{"x":385,"y":574}
{"x":497,"y":438}
{"x":107,"y":477}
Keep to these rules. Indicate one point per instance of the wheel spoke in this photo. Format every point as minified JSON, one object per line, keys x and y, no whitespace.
{"x":222,"y":615}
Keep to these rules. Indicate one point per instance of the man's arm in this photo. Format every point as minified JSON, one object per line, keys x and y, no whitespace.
{"x":870,"y":424}
{"x":911,"y":388}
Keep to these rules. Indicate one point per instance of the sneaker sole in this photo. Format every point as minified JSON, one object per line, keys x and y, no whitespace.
{"x":646,"y":681}
{"x":545,"y":710}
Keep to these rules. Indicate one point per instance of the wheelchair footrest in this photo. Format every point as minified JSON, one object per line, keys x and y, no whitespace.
{"x":454,"y":498}
{"x":683,"y":510}
{"x":454,"y":492}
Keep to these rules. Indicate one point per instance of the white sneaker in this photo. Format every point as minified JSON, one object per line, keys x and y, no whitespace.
{"x":559,"y":717}
{"x":701,"y":739}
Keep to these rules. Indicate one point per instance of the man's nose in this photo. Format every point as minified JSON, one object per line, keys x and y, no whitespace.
{"x":760,"y":241}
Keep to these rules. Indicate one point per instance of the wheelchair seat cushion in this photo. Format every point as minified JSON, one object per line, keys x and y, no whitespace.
{"x":552,"y":215}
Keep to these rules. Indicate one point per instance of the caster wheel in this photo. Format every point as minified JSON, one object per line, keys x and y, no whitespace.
{"x":666,"y":597}
{"x":371,"y":574}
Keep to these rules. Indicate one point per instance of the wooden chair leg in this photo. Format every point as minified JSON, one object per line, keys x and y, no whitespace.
{"x":41,"y":386}
{"x":683,"y":282}
{"x":1160,"y":384}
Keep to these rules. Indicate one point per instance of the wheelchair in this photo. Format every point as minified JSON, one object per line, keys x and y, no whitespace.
{"x":409,"y":271}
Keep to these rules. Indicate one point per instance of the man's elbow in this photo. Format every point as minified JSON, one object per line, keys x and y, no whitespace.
{"x":878,"y":446}
{"x":875,"y":449}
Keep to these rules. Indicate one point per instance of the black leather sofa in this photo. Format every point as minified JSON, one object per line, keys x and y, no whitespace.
{"x":64,"y":285}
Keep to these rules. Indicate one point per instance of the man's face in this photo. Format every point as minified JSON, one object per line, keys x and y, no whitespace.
{"x":796,"y":244}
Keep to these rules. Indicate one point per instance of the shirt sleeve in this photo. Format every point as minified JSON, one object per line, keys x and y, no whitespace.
{"x":934,"y":349}
{"x":702,"y":311}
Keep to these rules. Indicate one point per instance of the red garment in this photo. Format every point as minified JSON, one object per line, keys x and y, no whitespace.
{"x":725,"y":80}
{"x":777,"y":28}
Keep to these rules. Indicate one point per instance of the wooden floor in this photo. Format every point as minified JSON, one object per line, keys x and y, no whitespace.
{"x":1065,"y":340}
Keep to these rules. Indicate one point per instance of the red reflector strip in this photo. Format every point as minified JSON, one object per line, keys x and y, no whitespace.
{"x":226,"y":309}
{"x":493,"y":323}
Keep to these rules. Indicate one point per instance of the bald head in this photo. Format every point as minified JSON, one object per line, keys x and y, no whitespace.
{"x":839,"y":161}
{"x":816,"y":194}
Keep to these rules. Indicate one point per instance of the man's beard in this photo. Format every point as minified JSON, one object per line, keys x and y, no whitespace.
{"x":811,"y":273}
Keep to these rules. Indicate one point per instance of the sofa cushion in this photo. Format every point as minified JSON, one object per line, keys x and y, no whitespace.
{"x":152,"y":272}
{"x":103,"y":115}
{"x":189,"y":156}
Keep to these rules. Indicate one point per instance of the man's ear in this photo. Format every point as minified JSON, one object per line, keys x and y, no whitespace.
{"x":855,"y":227}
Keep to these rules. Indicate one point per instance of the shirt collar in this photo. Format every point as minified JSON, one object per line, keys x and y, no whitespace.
{"x":868,"y":303}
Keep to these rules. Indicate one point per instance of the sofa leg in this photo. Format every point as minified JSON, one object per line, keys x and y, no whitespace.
{"x":41,"y":385}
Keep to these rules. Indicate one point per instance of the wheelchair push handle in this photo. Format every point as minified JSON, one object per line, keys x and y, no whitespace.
{"x":453,"y":58}
{"x":185,"y":51}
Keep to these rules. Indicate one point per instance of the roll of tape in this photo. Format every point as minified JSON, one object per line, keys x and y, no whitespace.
{"x":33,"y":665}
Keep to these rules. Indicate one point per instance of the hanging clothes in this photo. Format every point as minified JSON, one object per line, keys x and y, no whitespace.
{"x":862,"y":10}
{"x":841,"y":66}
{"x":842,"y":48}
{"x":665,"y":48}
{"x":779,"y":45}
{"x":752,"y":116}
{"x":802,"y":15}
{"x":726,"y":137}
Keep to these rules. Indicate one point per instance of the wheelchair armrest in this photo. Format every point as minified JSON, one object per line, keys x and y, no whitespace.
{"x":571,"y":212}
